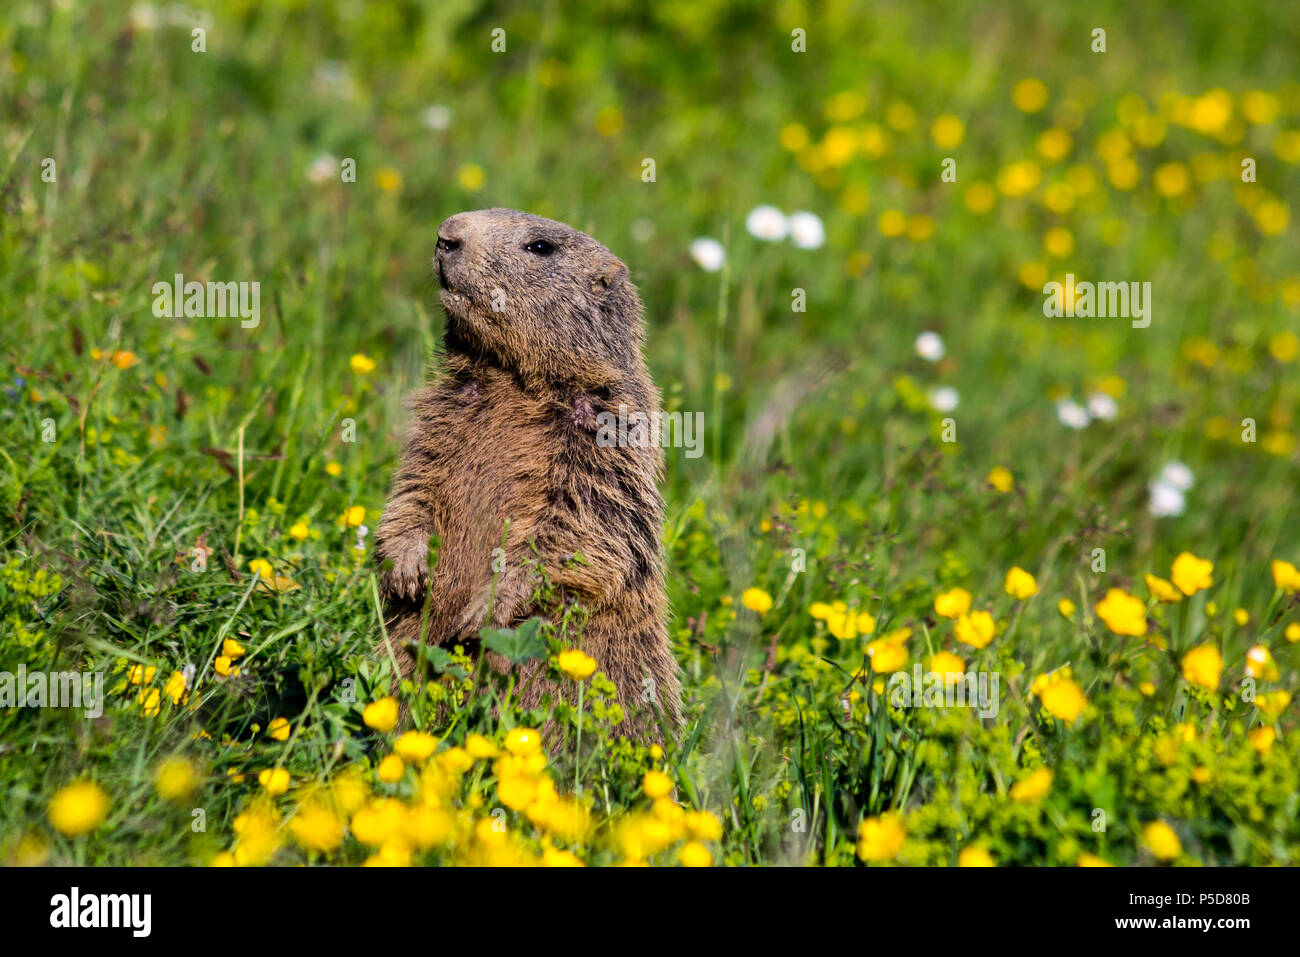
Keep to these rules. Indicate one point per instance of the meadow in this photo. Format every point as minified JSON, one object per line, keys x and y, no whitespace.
{"x":843,"y":220}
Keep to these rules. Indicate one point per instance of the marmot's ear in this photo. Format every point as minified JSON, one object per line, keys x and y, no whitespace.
{"x":608,"y":275}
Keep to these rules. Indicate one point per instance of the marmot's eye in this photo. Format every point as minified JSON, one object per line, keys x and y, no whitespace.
{"x":540,"y":247}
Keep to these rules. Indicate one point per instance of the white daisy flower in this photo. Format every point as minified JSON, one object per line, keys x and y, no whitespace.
{"x":708,"y":254}
{"x":1166,"y":499}
{"x":1072,"y":414}
{"x":806,"y":230}
{"x":323,"y":168}
{"x":1178,"y":475}
{"x":929,"y":346}
{"x":767,"y":223}
{"x":1101,"y":406}
{"x":437,"y":117}
{"x":943,"y":399}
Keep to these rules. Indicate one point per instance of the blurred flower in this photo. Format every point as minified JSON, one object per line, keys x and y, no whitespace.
{"x":316,"y":828}
{"x":1178,"y":475}
{"x":175,"y":779}
{"x":322,"y":168}
{"x":1101,"y":406}
{"x":78,"y":808}
{"x":1019,"y":584}
{"x":388,"y":179}
{"x":279,"y":729}
{"x":767,"y":223}
{"x":929,"y":346}
{"x":1033,"y":787}
{"x":299,"y":531}
{"x":952,"y":604}
{"x":943,"y":399}
{"x":576,"y":663}
{"x":947,"y":131}
{"x":1072,"y":414}
{"x":695,"y":854}
{"x":881,"y":838}
{"x":1123,"y":613}
{"x":1065,"y":608}
{"x":1162,"y":590}
{"x":391,"y":769}
{"x":381,"y":715}
{"x":1260,"y":663}
{"x":1203,"y":666}
{"x":1261,"y":738}
{"x":975,"y":629}
{"x":1286,"y":576}
{"x":1160,"y":838}
{"x":806,"y":230}
{"x":755,"y":599}
{"x":1001,"y":479}
{"x":275,"y":780}
{"x":1060,"y":695}
{"x":656,"y":784}
{"x":1029,"y":95}
{"x":471,"y":177}
{"x":415,"y":746}
{"x":1166,"y":499}
{"x":436,"y":117}
{"x":523,"y":742}
{"x":708,"y":254}
{"x":1192,"y":574}
{"x":362,"y":364}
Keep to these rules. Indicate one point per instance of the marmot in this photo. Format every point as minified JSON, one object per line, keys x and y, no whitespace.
{"x":544,"y":333}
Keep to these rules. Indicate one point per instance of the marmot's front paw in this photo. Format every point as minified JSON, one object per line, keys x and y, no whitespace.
{"x":408,"y":578}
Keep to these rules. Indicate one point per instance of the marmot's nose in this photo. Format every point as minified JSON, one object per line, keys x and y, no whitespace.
{"x":452,"y":234}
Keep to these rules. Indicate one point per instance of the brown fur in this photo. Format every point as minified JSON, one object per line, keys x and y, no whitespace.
{"x":508,"y":433}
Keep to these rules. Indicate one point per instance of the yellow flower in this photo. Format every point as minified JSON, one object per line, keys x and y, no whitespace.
{"x":947,"y":664}
{"x":1261,"y":738}
{"x":953,"y":604}
{"x":703,"y":826}
{"x":381,"y":715}
{"x":947,"y":131}
{"x":887,"y":654}
{"x":1261,"y":664}
{"x":523,"y":742}
{"x":980,"y":197}
{"x":757,"y":600}
{"x":1162,"y":590}
{"x":1059,"y":242}
{"x":223,"y":667}
{"x":891,"y":223}
{"x":1000,"y":479}
{"x":695,"y":854}
{"x":334,"y":469}
{"x":317,"y":828}
{"x":1065,"y":608}
{"x":480,"y":747}
{"x":78,"y":808}
{"x":1202,"y":666}
{"x":362,"y":364}
{"x":975,"y":629}
{"x":299,"y":531}
{"x":262,"y":568}
{"x":354,"y":516}
{"x":1061,"y":696}
{"x":1274,"y":702}
{"x":1054,"y":144}
{"x":1029,"y":95}
{"x":1123,"y":613}
{"x":576,"y":663}
{"x":554,"y":857}
{"x":278,"y":729}
{"x":175,"y":779}
{"x":1286,"y":576}
{"x":974,"y":857}
{"x":656,"y":784}
{"x":1092,"y":860}
{"x":1019,"y":584}
{"x":415,"y":746}
{"x":388,"y":179}
{"x":123,"y":358}
{"x":1162,"y":841}
{"x":1172,"y":179}
{"x":820,"y":610}
{"x":258,"y":835}
{"x":232,"y":649}
{"x":1033,"y":787}
{"x":1019,"y":178}
{"x":275,"y":780}
{"x":391,"y":770}
{"x":175,"y":687}
{"x":1191,"y":574}
{"x":881,"y":838}
{"x":1293,"y":632}
{"x":471,"y":177}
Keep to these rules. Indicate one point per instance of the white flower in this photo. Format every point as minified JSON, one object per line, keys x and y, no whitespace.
{"x":1166,"y":499}
{"x":1178,"y":475}
{"x":767,"y":223}
{"x":943,"y":399}
{"x":929,"y":346}
{"x":1072,"y":414}
{"x":1101,"y":406}
{"x":708,"y":254}
{"x":643,"y":229}
{"x":806,"y":230}
{"x":322,"y":168}
{"x":437,"y":117}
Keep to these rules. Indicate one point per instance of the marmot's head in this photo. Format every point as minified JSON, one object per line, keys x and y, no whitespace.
{"x":538,"y":298}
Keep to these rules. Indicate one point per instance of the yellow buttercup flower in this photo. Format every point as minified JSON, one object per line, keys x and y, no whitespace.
{"x":1274,"y":702}
{"x":881,"y":838}
{"x":1029,"y":95}
{"x":576,"y":663}
{"x":1162,"y":590}
{"x":1192,"y":574}
{"x":1286,"y":576}
{"x":1060,"y":695}
{"x":947,"y":131}
{"x":523,"y":742}
{"x":1162,"y":841}
{"x":275,"y":780}
{"x":1292,"y":632}
{"x":1065,"y":608}
{"x":1019,"y":584}
{"x":1033,"y":787}
{"x":887,"y":654}
{"x":1261,"y":664}
{"x":757,"y":600}
{"x":1203,"y":666}
{"x":391,"y":769}
{"x":415,"y":746}
{"x":1000,"y":479}
{"x":947,"y":664}
{"x":381,"y":715}
{"x":354,"y":516}
{"x":317,"y":828}
{"x":1123,"y":613}
{"x":279,"y":729}
{"x":262,"y":568}
{"x":656,"y":784}
{"x":480,"y":747}
{"x":299,"y":531}
{"x":1261,"y":738}
{"x":1092,"y":860}
{"x":975,"y":629}
{"x":78,"y":808}
{"x":953,"y":604}
{"x":695,"y":854}
{"x":974,"y":857}
{"x":362,"y":364}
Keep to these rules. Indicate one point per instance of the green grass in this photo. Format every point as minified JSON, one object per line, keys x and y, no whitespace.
{"x":818,"y":433}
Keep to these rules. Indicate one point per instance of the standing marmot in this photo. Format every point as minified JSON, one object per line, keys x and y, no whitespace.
{"x":544,"y":333}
